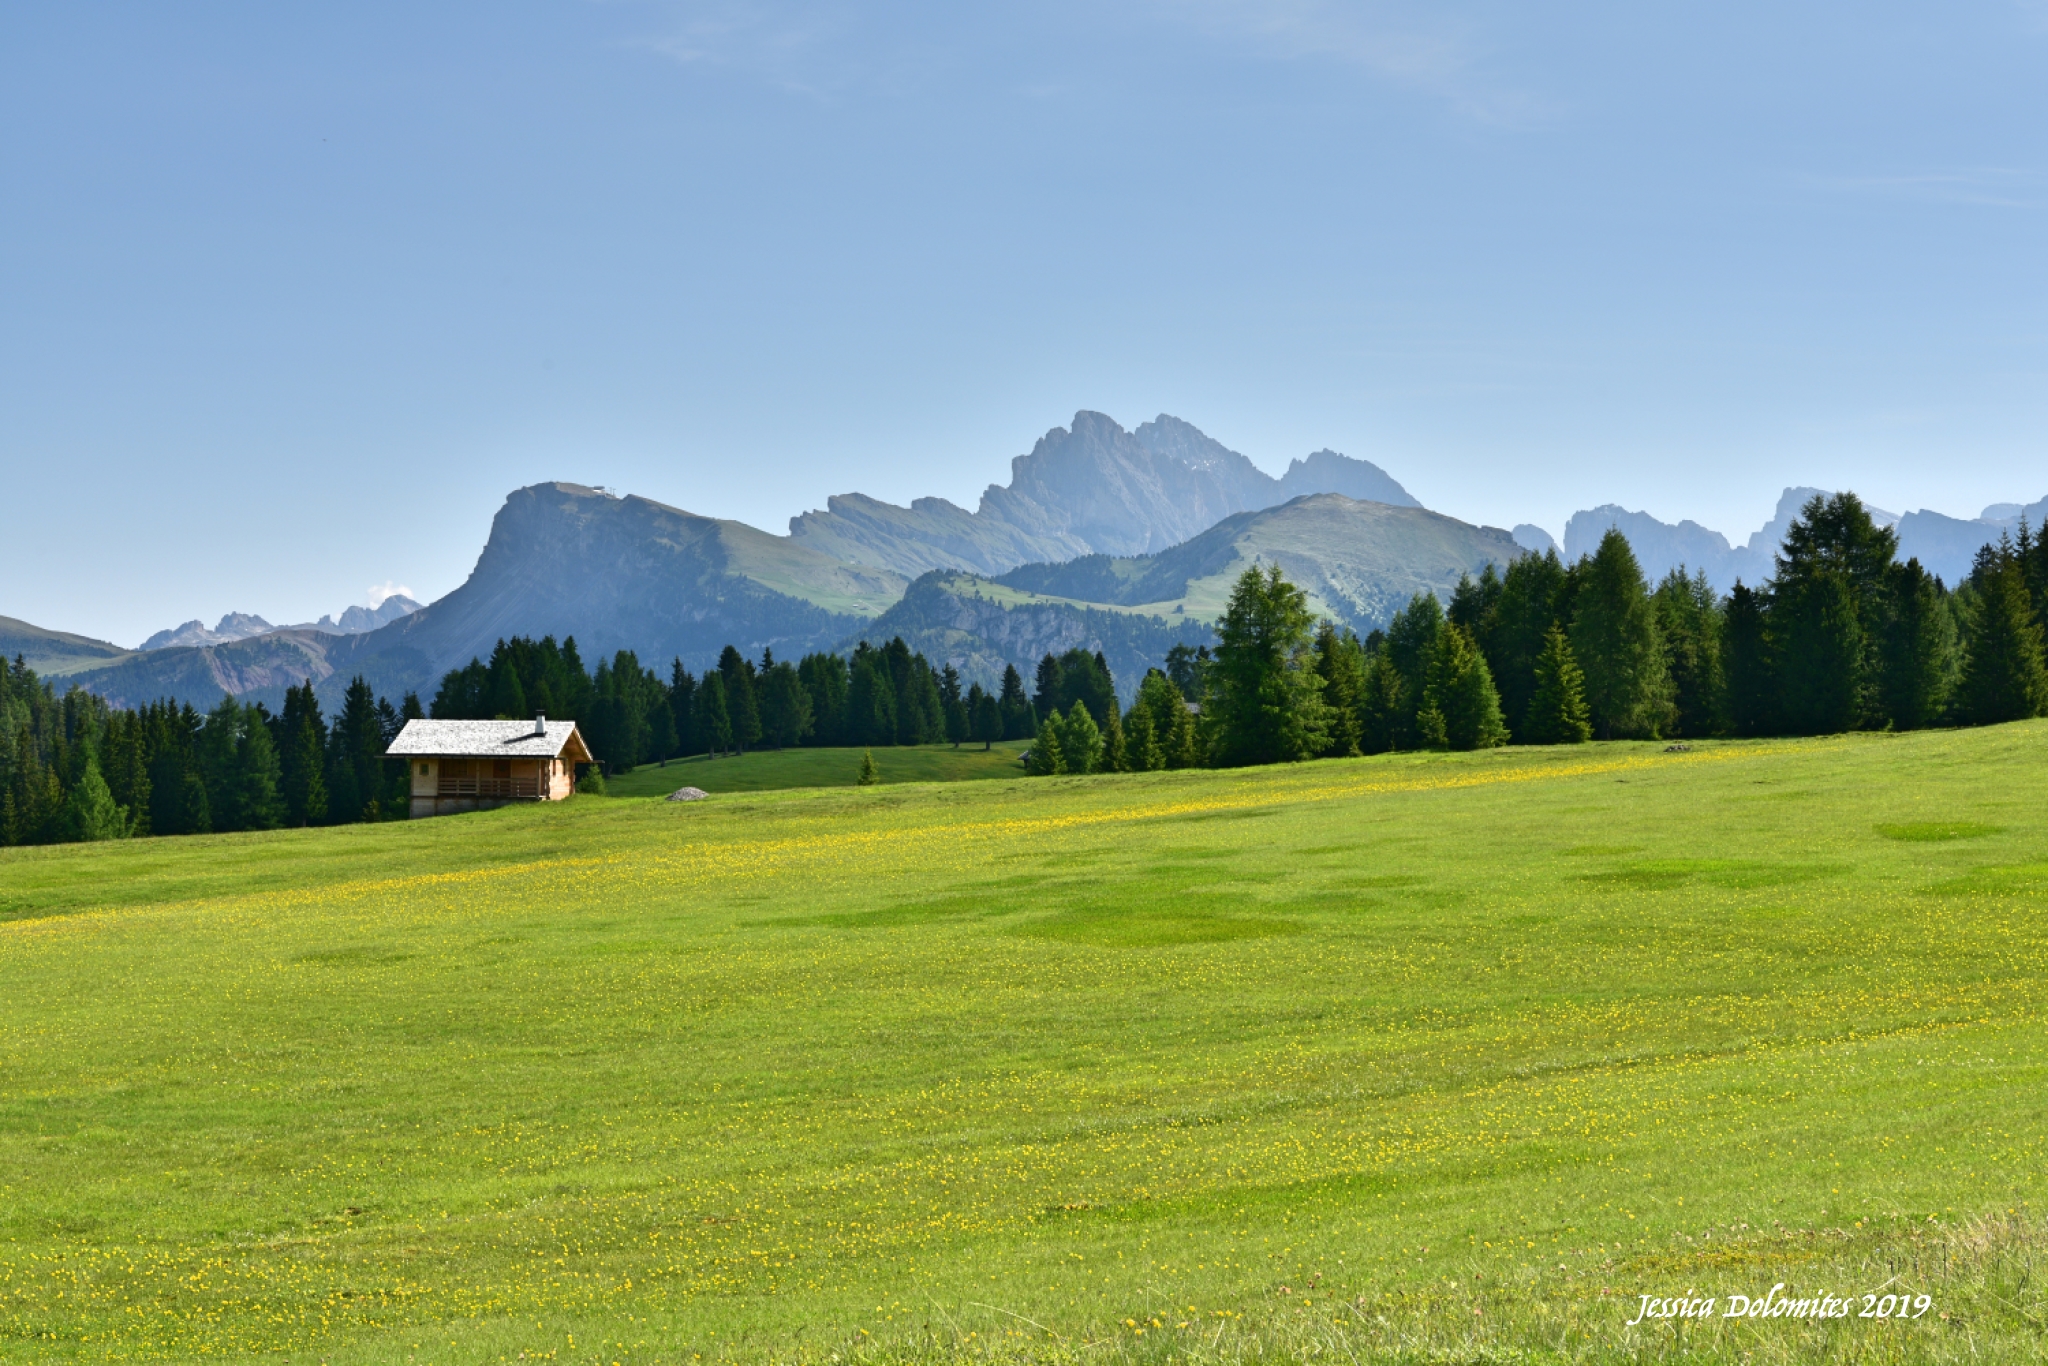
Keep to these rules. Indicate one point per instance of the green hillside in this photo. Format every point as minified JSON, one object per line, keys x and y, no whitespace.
{"x":770,"y":770}
{"x":1424,"y":1058}
{"x":1358,"y":560}
{"x":54,"y":653}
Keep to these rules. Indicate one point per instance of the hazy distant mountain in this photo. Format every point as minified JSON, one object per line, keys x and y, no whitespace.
{"x":243,"y":625}
{"x":1529,"y":536}
{"x":1358,"y":560}
{"x":1943,"y":545}
{"x":1947,"y":546}
{"x":357,"y":620}
{"x":617,"y":573}
{"x":233,"y":626}
{"x":1093,"y":488}
{"x":979,"y":626}
{"x":1661,"y":547}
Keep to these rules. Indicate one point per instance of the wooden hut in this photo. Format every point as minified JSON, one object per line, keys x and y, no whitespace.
{"x":476,"y":765}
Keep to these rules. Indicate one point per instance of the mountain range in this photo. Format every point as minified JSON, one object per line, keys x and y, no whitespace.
{"x":1944,"y":545}
{"x":242,"y":625}
{"x":1120,"y":541}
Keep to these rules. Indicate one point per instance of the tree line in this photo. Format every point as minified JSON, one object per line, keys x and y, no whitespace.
{"x":875,"y":696}
{"x":1842,"y":637}
{"x":74,"y":768}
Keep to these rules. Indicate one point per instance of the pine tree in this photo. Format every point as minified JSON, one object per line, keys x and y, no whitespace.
{"x":825,"y":679}
{"x":1019,"y":720}
{"x":1689,"y":624}
{"x":1409,"y":643}
{"x":1264,"y":704}
{"x":1051,"y":694}
{"x":1557,"y":711}
{"x":2003,"y":673}
{"x":257,"y":803}
{"x":785,"y":706}
{"x":1382,"y":704}
{"x":959,"y":722}
{"x":869,"y":774}
{"x":1115,"y":759}
{"x":741,"y":703}
{"x":712,"y":724}
{"x":1534,"y":596}
{"x":1747,"y":665}
{"x":1340,"y":664}
{"x":1044,"y":759}
{"x":1080,"y":740}
{"x":870,"y":702}
{"x":1614,"y":637}
{"x":1919,"y":650}
{"x":1816,"y":637}
{"x":986,"y":714}
{"x":1461,"y":692}
{"x":1142,"y":753}
{"x":89,"y":809}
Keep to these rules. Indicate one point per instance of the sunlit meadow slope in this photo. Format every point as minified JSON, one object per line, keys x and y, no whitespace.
{"x":1410,"y":1055}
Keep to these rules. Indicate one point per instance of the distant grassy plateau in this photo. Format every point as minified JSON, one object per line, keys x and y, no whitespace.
{"x":1431,"y":1058}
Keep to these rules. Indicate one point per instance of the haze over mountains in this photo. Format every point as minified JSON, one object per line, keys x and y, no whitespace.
{"x":1945,"y":546}
{"x":1120,"y":541}
{"x":1089,"y":489}
{"x":242,"y":625}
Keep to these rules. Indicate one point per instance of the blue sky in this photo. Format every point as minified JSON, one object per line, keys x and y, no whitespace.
{"x":292,"y":296}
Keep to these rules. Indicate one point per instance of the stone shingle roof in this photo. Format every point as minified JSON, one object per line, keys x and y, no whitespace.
{"x":488,"y":740}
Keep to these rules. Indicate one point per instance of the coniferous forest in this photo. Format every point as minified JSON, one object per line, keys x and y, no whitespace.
{"x":1842,"y":637}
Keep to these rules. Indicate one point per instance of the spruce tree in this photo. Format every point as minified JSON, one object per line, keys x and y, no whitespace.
{"x":1115,"y":755}
{"x":1043,"y":759}
{"x":1080,"y":741}
{"x":986,"y":716}
{"x":1531,"y":599}
{"x":785,"y":706}
{"x":869,"y":774}
{"x":711,"y":723}
{"x":1557,"y":712}
{"x":1614,"y":636}
{"x":870,"y":703}
{"x":1019,"y":720}
{"x":258,"y":805}
{"x":742,"y":703}
{"x":1264,"y":702}
{"x":1752,"y":689}
{"x":1689,"y":624}
{"x":1051,"y":693}
{"x":1461,"y":693}
{"x":1383,"y":707}
{"x":1409,"y":643}
{"x":2004,"y":678}
{"x":89,"y":809}
{"x":1816,"y":637}
{"x":1142,"y":753}
{"x":1340,"y":664}
{"x":1919,"y":650}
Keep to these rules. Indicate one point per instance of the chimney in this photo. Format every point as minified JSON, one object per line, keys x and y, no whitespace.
{"x":540,"y":723}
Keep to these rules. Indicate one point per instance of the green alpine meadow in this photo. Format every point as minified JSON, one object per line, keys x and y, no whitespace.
{"x":1717,"y":1050}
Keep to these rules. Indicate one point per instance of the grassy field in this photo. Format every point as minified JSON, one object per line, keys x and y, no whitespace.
{"x":775,"y":769}
{"x":1435,"y":1058}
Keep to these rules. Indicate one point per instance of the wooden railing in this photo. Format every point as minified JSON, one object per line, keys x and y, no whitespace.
{"x":487,"y":787}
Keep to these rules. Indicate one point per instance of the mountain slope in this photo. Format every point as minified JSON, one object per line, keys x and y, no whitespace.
{"x":1093,"y":488}
{"x":979,"y":626}
{"x":617,"y":573}
{"x":53,"y":653}
{"x":1358,"y":560}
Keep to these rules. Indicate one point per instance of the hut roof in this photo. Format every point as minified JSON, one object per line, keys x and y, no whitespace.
{"x":535,"y":739}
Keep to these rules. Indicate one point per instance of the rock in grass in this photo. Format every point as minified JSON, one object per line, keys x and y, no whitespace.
{"x":688,"y":794}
